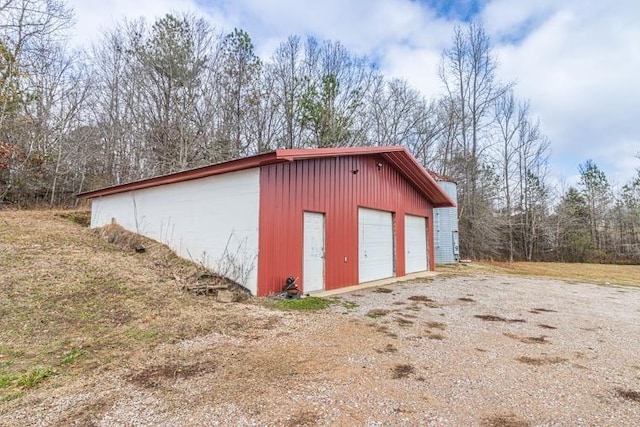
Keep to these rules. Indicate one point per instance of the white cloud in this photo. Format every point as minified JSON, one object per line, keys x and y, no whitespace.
{"x":579,"y":68}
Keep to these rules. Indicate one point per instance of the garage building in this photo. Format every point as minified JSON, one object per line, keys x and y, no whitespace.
{"x":333,"y":217}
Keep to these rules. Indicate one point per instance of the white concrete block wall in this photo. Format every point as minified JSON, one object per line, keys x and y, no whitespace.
{"x":211,"y":220}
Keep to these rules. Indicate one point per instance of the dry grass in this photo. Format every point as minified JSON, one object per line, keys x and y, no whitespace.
{"x":540,"y":361}
{"x":631,"y":395}
{"x":64,"y":289}
{"x":508,"y":420}
{"x":542,"y":339}
{"x":493,"y":318}
{"x":402,"y":371}
{"x":591,"y":273}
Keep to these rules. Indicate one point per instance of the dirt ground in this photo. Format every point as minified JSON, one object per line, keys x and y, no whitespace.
{"x":476,"y":350}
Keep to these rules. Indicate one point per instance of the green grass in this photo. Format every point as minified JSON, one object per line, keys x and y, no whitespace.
{"x":71,"y":356}
{"x":308,"y":303}
{"x":28,"y":379}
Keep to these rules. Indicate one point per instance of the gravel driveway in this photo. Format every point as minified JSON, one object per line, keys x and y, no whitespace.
{"x":477,"y":350}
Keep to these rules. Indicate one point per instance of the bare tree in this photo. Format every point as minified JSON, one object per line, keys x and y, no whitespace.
{"x":468,"y":71}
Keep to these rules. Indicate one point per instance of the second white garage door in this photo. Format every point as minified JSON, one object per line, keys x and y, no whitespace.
{"x":375,"y":243}
{"x":415,"y":244}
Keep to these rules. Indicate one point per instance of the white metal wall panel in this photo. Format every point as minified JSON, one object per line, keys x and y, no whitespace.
{"x":415,"y":243}
{"x":212,"y":220}
{"x":375,"y":244}
{"x":313,"y":265}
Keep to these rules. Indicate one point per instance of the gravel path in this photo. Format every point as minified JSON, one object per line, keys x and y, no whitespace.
{"x":480,"y":350}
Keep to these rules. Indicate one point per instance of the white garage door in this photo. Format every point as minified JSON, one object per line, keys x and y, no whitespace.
{"x":375,"y":244}
{"x":415,"y":244}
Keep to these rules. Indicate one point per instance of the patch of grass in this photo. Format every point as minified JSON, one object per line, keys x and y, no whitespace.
{"x":303,"y":418}
{"x":350,"y":305}
{"x":591,"y":273}
{"x":382,"y":290}
{"x":544,"y":326}
{"x":143,"y":335}
{"x":626,"y":394}
{"x":389,"y":348}
{"x":377,"y":312}
{"x":542,"y":339}
{"x":71,"y":356}
{"x":153,"y":376}
{"x":493,"y":318}
{"x":308,"y":303}
{"x":82,"y":218}
{"x":28,"y":379}
{"x":34,"y":377}
{"x":541,"y":310}
{"x":402,"y":371}
{"x":385,"y":330}
{"x":421,"y":298}
{"x":11,"y":396}
{"x":435,"y":336}
{"x":436,"y":325}
{"x":539,"y":361}
{"x":403,"y":322}
{"x":507,"y":420}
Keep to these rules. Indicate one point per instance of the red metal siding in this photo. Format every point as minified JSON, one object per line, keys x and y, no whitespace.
{"x":329,"y":185}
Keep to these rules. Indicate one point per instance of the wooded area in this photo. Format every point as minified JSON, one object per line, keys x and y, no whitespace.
{"x":155,"y":98}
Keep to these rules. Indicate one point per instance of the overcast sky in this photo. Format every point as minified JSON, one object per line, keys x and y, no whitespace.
{"x":577,"y":61}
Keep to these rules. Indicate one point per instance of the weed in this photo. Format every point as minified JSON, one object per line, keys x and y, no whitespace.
{"x":543,"y":326}
{"x":304,"y":418}
{"x":492,"y":318}
{"x":152,"y":376}
{"x":377,"y":312}
{"x":350,"y":305}
{"x":388,"y":349}
{"x":403,"y":322}
{"x":435,"y":336}
{"x":82,"y":218}
{"x":437,"y":325}
{"x":541,"y":310}
{"x":34,"y":377}
{"x":527,"y":340}
{"x":422,"y":298}
{"x":308,"y":303}
{"x":143,"y":335}
{"x":402,"y":371}
{"x":385,"y":330}
{"x":539,"y":361}
{"x":71,"y":356}
{"x":6,"y":380}
{"x":509,"y":420}
{"x":11,"y":396}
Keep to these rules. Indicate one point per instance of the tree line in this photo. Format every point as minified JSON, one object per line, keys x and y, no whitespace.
{"x":155,"y":98}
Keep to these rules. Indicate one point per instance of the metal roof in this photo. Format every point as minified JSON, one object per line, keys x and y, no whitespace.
{"x":398,"y":157}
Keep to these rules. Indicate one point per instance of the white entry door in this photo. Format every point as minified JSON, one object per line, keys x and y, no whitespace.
{"x":375,"y":245}
{"x":416,"y":254}
{"x":313,"y":264}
